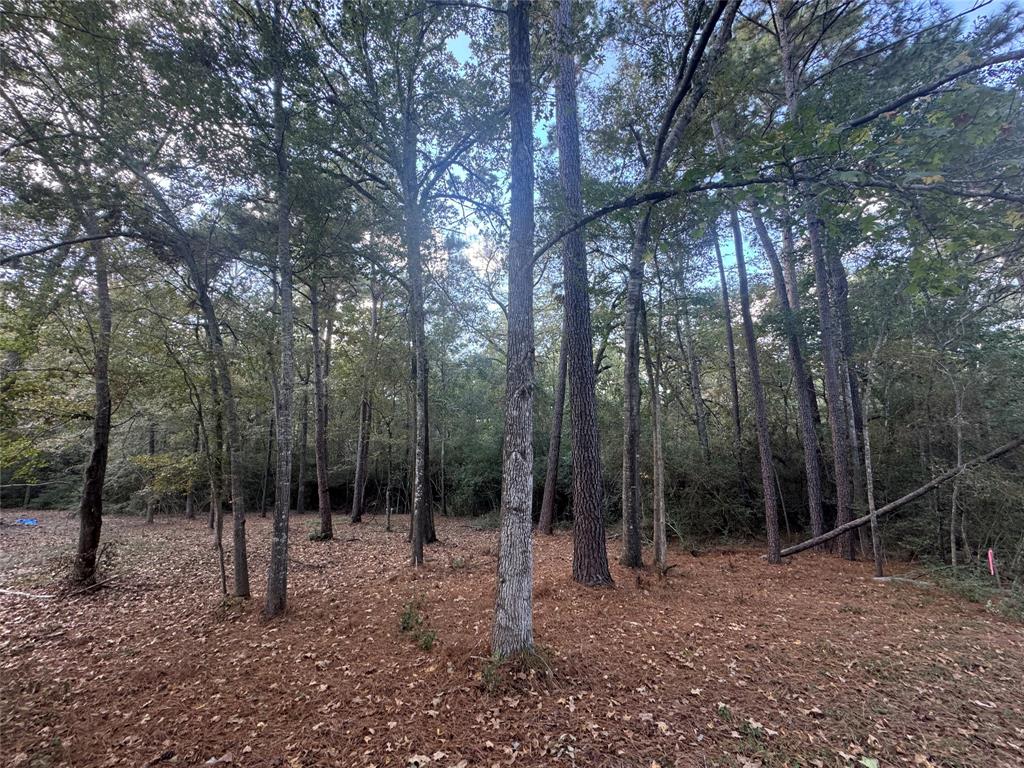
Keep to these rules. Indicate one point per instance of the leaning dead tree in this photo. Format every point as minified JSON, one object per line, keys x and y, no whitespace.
{"x":931,"y":485}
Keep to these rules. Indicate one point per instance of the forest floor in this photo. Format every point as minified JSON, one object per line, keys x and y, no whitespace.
{"x":726,"y":661}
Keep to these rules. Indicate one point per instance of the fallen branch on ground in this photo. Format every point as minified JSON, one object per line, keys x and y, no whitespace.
{"x":932,"y":484}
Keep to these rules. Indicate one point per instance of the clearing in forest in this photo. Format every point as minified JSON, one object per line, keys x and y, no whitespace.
{"x":725,"y":661}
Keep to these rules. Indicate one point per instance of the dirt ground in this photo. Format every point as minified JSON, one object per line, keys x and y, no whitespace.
{"x":726,"y":661}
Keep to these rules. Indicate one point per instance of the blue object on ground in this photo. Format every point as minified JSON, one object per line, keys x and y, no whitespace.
{"x":26,"y":521}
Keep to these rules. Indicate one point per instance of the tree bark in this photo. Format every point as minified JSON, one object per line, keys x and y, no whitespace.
{"x":808,"y":435}
{"x":513,"y":612}
{"x":366,"y":412}
{"x":657,"y":455}
{"x":547,"y":508}
{"x":734,"y":393}
{"x":323,"y":489}
{"x":277,"y":576}
{"x":300,"y":491}
{"x":90,"y":510}
{"x":764,"y":446}
{"x":590,"y":549}
{"x":869,"y":481}
{"x":190,"y":493}
{"x":684,"y":338}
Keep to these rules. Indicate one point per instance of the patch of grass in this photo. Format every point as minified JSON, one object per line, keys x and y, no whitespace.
{"x":413,"y":622}
{"x":979,"y":588}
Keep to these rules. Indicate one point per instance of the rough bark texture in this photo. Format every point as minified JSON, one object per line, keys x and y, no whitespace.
{"x":546,"y":522}
{"x":764,"y":446}
{"x":323,"y":489}
{"x":277,"y":575}
{"x":590,"y":552}
{"x":805,"y":414}
{"x":513,"y":612}
{"x":90,"y":511}
{"x":366,"y":413}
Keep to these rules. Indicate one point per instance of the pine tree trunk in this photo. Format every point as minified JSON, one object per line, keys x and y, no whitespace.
{"x":771,"y":512}
{"x":323,"y":489}
{"x":277,"y":576}
{"x":590,"y":553}
{"x":90,"y":511}
{"x":869,"y":482}
{"x":684,"y":338}
{"x":366,"y":414}
{"x":547,"y":507}
{"x":513,"y":612}
{"x":808,"y":435}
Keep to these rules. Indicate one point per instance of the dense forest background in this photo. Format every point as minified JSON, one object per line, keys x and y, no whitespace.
{"x":278,"y":232}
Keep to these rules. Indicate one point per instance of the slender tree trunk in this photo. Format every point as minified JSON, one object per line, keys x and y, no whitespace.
{"x":267,"y":467}
{"x":190,"y":493}
{"x":513,"y":611}
{"x":366,"y":413}
{"x":590,"y":552}
{"x":323,"y":489}
{"x":954,"y":506}
{"x":771,"y":512}
{"x":547,"y":507}
{"x":657,"y":456}
{"x":90,"y":511}
{"x":808,"y":435}
{"x":277,"y":576}
{"x":151,"y":496}
{"x":869,"y":482}
{"x":300,"y":491}
{"x":734,"y":393}
{"x":834,"y":389}
{"x":684,"y":338}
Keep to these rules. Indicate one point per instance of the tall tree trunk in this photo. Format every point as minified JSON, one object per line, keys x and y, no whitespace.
{"x":734,"y":393}
{"x":590,"y":552}
{"x":277,"y":576}
{"x":190,"y":493}
{"x":300,"y":491}
{"x":513,"y":611}
{"x":547,"y":508}
{"x":323,"y":490}
{"x":151,"y":496}
{"x":808,"y":435}
{"x":366,"y":412}
{"x":869,"y":481}
{"x":834,"y":388}
{"x":764,"y":446}
{"x":90,"y":511}
{"x":657,"y":455}
{"x":268,"y":465}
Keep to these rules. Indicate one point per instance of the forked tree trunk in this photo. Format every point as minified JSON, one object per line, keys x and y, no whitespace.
{"x":277,"y":576}
{"x":590,"y":552}
{"x":764,"y":446}
{"x":366,"y":413}
{"x":323,"y":490}
{"x":90,"y":511}
{"x":547,"y":508}
{"x":808,"y":435}
{"x":513,"y":611}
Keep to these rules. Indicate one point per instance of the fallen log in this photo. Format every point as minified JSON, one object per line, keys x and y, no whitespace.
{"x":892,"y":506}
